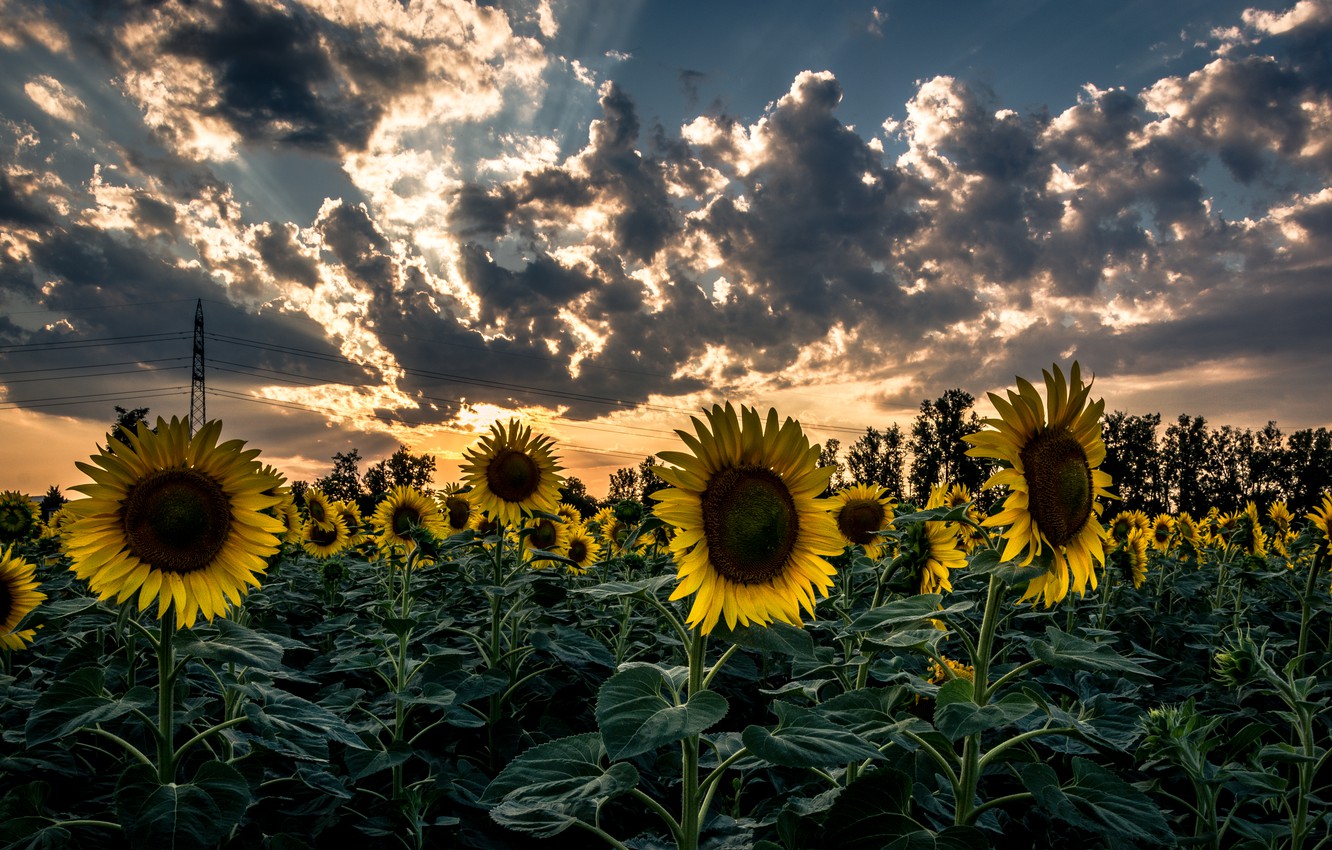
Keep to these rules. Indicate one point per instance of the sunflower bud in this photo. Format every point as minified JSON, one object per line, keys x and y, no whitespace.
{"x":1239,"y":663}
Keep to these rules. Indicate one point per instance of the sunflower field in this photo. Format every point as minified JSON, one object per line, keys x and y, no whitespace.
{"x":192,"y":659}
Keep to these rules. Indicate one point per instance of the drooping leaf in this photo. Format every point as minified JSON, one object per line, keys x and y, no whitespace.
{"x":1067,"y":652}
{"x":963,"y":717}
{"x":777,"y":637}
{"x":1097,"y":800}
{"x":198,"y":813}
{"x":232,"y":644}
{"x":561,"y":771}
{"x":805,"y":739}
{"x":636,"y":712}
{"x":78,"y":700}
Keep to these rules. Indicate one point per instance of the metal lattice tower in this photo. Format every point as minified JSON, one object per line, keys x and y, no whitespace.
{"x":197,"y":415}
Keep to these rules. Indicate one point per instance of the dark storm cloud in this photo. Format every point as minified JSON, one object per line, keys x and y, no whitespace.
{"x":277,"y":247}
{"x":17,"y":203}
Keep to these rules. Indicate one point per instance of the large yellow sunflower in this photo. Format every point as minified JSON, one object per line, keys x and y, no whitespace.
{"x":513,"y":473}
{"x":18,"y":596}
{"x":752,"y":534}
{"x":581,"y":548}
{"x":403,"y":508}
{"x":1051,"y":453}
{"x":860,"y":511}
{"x":175,"y":518}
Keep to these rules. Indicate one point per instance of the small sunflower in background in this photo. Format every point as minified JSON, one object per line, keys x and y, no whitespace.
{"x":608,"y":528}
{"x":513,"y":473}
{"x":1131,"y":554}
{"x":19,"y":517}
{"x":292,"y":523}
{"x":325,"y":541}
{"x":546,"y":534}
{"x":175,"y":518}
{"x":752,"y":536}
{"x":318,"y":507}
{"x":932,"y":549}
{"x":403,"y":509}
{"x":860,"y":511}
{"x":1163,"y":532}
{"x":570,"y":513}
{"x":1051,"y":452}
{"x":19,"y":596}
{"x":1124,"y":522}
{"x":358,"y":530}
{"x":581,"y":548}
{"x":457,"y":510}
{"x":958,"y":495}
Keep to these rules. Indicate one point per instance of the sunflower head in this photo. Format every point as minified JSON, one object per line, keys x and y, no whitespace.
{"x":457,"y":511}
{"x":861,"y":511}
{"x":752,"y":535}
{"x":18,"y":597}
{"x":318,"y":507}
{"x":1321,"y":519}
{"x":404,"y":510}
{"x":513,"y":473}
{"x":174,"y":517}
{"x":325,"y":541}
{"x":1280,"y":517}
{"x":581,"y":548}
{"x":546,"y":534}
{"x":1163,"y":531}
{"x":18,"y":517}
{"x":1050,"y":454}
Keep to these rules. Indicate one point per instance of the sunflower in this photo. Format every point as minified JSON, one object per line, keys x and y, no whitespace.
{"x":1163,"y":531}
{"x":609,"y":529}
{"x":18,"y":517}
{"x":1124,"y":522}
{"x":932,"y":549}
{"x":860,"y":511}
{"x":290,"y":515}
{"x":1280,"y":516}
{"x":325,"y":542}
{"x":1321,"y":518}
{"x":18,"y":596}
{"x":1132,"y":556}
{"x":175,"y":518}
{"x":953,"y":670}
{"x":1249,"y":534}
{"x":569,"y":512}
{"x":1188,"y":533}
{"x":457,"y":510}
{"x":1051,"y":453}
{"x":971,"y":537}
{"x":547,"y":535}
{"x":58,"y":523}
{"x":404,"y":508}
{"x":513,"y":473}
{"x":358,"y":531}
{"x":752,"y":534}
{"x":581,"y":548}
{"x":318,"y":507}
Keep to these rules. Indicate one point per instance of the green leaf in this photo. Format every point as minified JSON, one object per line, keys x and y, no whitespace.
{"x":232,"y":644}
{"x":1066,"y":652}
{"x":1097,"y":800}
{"x":287,"y":724}
{"x":539,"y":819}
{"x":621,"y":589}
{"x":963,"y":717}
{"x":636,"y":712}
{"x":805,"y":739}
{"x":198,"y":813}
{"x":574,"y":648}
{"x":561,"y":771}
{"x":871,"y":811}
{"x":77,"y":701}
{"x":781,"y":638}
{"x":362,"y":763}
{"x":986,"y":562}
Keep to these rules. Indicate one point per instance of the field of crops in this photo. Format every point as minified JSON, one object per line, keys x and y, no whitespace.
{"x":747,"y":666}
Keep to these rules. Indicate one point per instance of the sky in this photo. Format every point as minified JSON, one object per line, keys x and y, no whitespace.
{"x":407,"y":220}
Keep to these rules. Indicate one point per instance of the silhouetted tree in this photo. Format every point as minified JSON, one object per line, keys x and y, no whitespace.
{"x":344,"y":482}
{"x":938,"y":454}
{"x":1269,"y":467}
{"x":828,"y":457}
{"x":877,"y":457}
{"x":400,"y":469}
{"x":126,"y":419}
{"x":1183,"y":459}
{"x":1226,"y":479}
{"x":1133,"y":461}
{"x":648,"y":482}
{"x":574,"y":492}
{"x":1310,"y":461}
{"x":53,"y":501}
{"x":624,"y":484}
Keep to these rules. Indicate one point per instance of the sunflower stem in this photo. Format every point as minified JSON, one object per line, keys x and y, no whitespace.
{"x":690,"y":813}
{"x":166,"y":698}
{"x":1306,"y":613}
{"x":971,"y":758}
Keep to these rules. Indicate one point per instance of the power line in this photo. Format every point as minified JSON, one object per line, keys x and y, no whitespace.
{"x":84,"y":399}
{"x":57,"y":310}
{"x":82,"y":366}
{"x":87,"y":396}
{"x":65,"y":345}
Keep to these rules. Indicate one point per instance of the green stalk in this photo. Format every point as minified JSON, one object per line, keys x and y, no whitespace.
{"x":1306,"y":613}
{"x":690,"y":814}
{"x":166,"y":698}
{"x":971,"y":764}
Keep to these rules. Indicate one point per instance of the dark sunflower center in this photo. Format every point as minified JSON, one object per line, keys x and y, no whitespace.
{"x":6,"y":602}
{"x":177,"y":520}
{"x":577,"y":551}
{"x":859,"y":519}
{"x":404,"y":517}
{"x":750,"y":523}
{"x":323,"y":536}
{"x":459,"y":511}
{"x":1059,"y":481}
{"x":544,"y":534}
{"x":317,"y":512}
{"x":513,"y":475}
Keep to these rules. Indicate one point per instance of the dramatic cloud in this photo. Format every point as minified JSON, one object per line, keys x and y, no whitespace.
{"x":390,"y":239}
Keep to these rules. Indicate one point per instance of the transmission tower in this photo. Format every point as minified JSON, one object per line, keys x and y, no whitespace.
{"x":197,"y":415}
